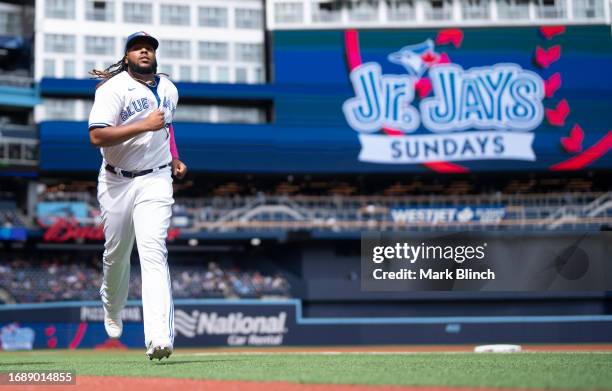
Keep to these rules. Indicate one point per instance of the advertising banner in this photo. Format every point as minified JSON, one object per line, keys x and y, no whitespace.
{"x":446,"y":215}
{"x":446,"y":100}
{"x":259,"y":323}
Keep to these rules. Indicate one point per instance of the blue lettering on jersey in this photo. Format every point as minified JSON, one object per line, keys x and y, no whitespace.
{"x":169,"y":105}
{"x":135,"y":106}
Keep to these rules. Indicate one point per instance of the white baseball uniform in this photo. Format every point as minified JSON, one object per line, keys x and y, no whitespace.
{"x":138,"y":207}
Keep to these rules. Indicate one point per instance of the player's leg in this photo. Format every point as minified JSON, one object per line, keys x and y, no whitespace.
{"x":115,"y":196}
{"x":152,"y":213}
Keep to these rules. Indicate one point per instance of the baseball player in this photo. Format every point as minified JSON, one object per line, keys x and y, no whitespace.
{"x":131,"y":120}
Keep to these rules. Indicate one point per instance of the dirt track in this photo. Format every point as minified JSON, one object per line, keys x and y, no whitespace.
{"x":99,"y":383}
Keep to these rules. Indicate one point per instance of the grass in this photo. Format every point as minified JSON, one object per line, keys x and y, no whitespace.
{"x":525,"y":370}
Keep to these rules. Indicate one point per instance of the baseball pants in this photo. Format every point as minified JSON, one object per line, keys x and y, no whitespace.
{"x":138,"y":208}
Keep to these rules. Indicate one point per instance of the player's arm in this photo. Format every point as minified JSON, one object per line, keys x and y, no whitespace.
{"x":179,"y":169}
{"x":107,"y":136}
{"x":173,"y":148}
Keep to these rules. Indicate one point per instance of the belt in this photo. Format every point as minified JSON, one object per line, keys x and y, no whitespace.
{"x":134,"y":174}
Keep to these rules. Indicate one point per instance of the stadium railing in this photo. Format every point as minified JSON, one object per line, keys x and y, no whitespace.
{"x":551,"y":211}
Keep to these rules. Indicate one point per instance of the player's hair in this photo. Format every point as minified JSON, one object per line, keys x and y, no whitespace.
{"x":112,"y":70}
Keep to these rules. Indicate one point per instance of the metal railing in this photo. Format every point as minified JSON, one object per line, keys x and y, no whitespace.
{"x":554,"y":211}
{"x":535,"y":211}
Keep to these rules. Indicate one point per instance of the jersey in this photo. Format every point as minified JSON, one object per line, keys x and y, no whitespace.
{"x":122,"y":100}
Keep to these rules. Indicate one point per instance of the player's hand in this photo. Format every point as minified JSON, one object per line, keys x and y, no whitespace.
{"x":179,"y":169}
{"x":154,"y":121}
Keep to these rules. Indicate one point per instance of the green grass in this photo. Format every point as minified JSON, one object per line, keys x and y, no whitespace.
{"x":524,"y":370}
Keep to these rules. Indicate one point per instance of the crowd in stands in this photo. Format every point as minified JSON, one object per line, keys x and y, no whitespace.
{"x":215,"y":281}
{"x":56,"y":280}
{"x":10,"y":219}
{"x":374,"y":185}
{"x":50,"y":280}
{"x":9,"y":216}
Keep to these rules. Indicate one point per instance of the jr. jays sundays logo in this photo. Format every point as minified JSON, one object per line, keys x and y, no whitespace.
{"x":473,"y":114}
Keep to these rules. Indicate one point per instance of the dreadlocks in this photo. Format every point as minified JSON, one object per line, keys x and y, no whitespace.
{"x":115,"y":69}
{"x":111,"y":71}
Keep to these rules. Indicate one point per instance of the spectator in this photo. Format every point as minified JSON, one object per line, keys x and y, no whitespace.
{"x":63,"y":279}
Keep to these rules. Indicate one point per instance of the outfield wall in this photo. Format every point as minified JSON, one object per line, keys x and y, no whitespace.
{"x":209,"y":323}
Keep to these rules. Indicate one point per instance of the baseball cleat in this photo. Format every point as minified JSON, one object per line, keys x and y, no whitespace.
{"x":158,"y":352}
{"x":113,"y":327}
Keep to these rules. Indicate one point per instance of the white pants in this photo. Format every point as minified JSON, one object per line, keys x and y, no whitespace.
{"x":138,"y":208}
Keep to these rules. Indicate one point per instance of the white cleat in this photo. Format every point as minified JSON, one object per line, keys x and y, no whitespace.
{"x":158,"y":351}
{"x":113,"y":327}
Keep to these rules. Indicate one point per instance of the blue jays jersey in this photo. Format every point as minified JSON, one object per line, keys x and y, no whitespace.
{"x":121,"y":101}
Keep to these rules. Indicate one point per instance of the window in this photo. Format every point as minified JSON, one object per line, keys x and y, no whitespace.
{"x":175,"y":15}
{"x":102,"y":11}
{"x":59,"y":43}
{"x":213,"y":50}
{"x":192,"y":113}
{"x":288,"y":12}
{"x":326,"y":11}
{"x":248,"y":18}
{"x":99,"y":45}
{"x":14,"y":151}
{"x":587,"y":9}
{"x":10,"y":23}
{"x":204,"y":73}
{"x":400,"y":10}
{"x":550,"y":9}
{"x":56,"y":109}
{"x":59,"y":9}
{"x":212,"y":17}
{"x":163,"y":68}
{"x":49,"y":68}
{"x":69,"y":68}
{"x":138,"y":13}
{"x":259,"y":75}
{"x":88,"y":66}
{"x":241,"y":75}
{"x":438,"y":9}
{"x":363,"y":10}
{"x":248,"y":115}
{"x":513,"y":9}
{"x":169,"y":48}
{"x":87,"y":105}
{"x":475,"y":9}
{"x":185,"y":73}
{"x":223,"y":74}
{"x":30,"y":152}
{"x":249,"y":52}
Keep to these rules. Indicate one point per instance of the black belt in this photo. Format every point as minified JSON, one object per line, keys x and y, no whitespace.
{"x":133,"y":174}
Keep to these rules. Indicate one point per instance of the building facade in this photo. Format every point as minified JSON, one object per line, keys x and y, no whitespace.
{"x":18,"y":95}
{"x":334,"y":14}
{"x":232,"y":118}
{"x":201,"y":41}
